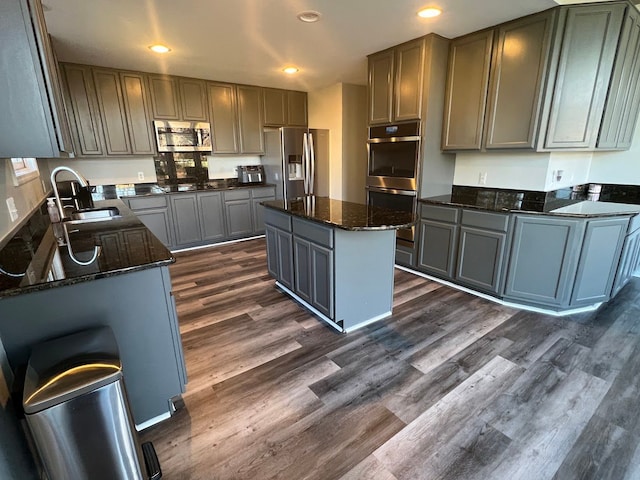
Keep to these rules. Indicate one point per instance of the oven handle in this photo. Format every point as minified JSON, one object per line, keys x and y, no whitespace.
{"x":394,"y":139}
{"x":408,"y":193}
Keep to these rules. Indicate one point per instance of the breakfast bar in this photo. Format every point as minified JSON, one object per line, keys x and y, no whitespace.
{"x":334,"y":257}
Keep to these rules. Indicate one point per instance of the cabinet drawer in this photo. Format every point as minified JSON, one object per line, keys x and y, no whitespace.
{"x":490,"y":221}
{"x":263,"y":192}
{"x":442,"y":214}
{"x":142,"y":203}
{"x":277,"y":219}
{"x":240,"y":194}
{"x":314,"y":232}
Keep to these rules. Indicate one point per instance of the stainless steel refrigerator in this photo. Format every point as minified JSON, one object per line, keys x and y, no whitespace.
{"x":296,"y":161}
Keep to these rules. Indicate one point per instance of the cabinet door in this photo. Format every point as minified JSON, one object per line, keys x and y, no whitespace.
{"x":285,"y":258}
{"x":621,"y":108}
{"x":541,"y":264}
{"x":587,"y":50}
{"x":164,"y":97}
{"x":380,"y":87}
{"x":112,"y":111}
{"x":52,"y":78}
{"x":224,"y":117}
{"x":250,"y":120}
{"x":518,"y":74}
{"x":296,"y":109}
{"x":193,"y":96}
{"x":271,"y":238}
{"x":275,"y":107}
{"x":322,"y":279}
{"x":302,"y":268}
{"x":466,"y":91}
{"x":85,"y":118}
{"x":136,"y":104}
{"x":137,"y":238}
{"x":480,"y":258}
{"x":158,"y":222}
{"x":599,"y":260}
{"x":258,"y":214}
{"x":438,"y":248}
{"x":211,"y":207}
{"x":238,"y":217}
{"x":407,"y":88}
{"x":184,"y":209}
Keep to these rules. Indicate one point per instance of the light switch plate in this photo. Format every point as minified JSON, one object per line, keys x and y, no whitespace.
{"x":140,"y":175}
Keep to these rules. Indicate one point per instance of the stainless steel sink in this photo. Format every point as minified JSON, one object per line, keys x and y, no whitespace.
{"x":94,"y":215}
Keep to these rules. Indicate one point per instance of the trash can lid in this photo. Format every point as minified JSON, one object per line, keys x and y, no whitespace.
{"x":65,"y":368}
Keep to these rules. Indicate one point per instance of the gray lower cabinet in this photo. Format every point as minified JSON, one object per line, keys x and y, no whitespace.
{"x":313,"y":273}
{"x":438,"y":240}
{"x":140,"y":309}
{"x":237,"y":205}
{"x":630,"y":258}
{"x":302,"y":268}
{"x":280,"y":249}
{"x":153,"y":211}
{"x":480,"y":258}
{"x":186,"y":219}
{"x":211,"y":209}
{"x":258,"y":195}
{"x":542,"y":259}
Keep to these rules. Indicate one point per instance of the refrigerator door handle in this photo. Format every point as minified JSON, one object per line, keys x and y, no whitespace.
{"x":305,"y":162}
{"x":312,"y":159}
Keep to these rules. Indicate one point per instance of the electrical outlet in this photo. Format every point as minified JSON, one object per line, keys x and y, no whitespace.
{"x":13,"y":211}
{"x":482,"y":178}
{"x":140,"y":175}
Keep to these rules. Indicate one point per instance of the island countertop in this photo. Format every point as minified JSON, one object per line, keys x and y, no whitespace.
{"x":33,"y":259}
{"x":343,"y":215}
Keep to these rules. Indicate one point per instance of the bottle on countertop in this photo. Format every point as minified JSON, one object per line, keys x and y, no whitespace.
{"x":52,"y":209}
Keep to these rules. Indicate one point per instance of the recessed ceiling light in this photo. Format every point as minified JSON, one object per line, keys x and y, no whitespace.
{"x":429,"y":12}
{"x":290,"y":70}
{"x":159,"y":48}
{"x":309,"y":16}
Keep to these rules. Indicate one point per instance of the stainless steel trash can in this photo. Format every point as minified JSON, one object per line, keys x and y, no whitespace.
{"x":76,"y":407}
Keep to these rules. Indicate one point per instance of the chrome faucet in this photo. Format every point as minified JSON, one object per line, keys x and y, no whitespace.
{"x":83,"y":183}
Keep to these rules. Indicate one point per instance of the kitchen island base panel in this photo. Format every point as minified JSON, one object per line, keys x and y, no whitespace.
{"x":139,"y":308}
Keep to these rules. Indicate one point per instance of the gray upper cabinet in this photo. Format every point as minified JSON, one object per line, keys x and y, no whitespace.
{"x":250,"y":119}
{"x":395,"y":83}
{"x":466,"y":91}
{"x":164,"y":97}
{"x":34,"y":122}
{"x":136,"y":103}
{"x":621,"y":109}
{"x":224,"y":117}
{"x":112,"y":110}
{"x":297,"y":108}
{"x":519,"y":70}
{"x":543,"y":82}
{"x":582,"y":72}
{"x":86,"y":123}
{"x":284,"y":108}
{"x":109,"y":111}
{"x":193,"y":96}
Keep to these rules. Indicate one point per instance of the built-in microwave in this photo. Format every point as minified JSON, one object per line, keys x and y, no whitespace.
{"x":174,"y":136}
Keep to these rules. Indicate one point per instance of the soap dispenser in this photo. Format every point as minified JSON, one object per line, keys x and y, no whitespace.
{"x":52,"y":209}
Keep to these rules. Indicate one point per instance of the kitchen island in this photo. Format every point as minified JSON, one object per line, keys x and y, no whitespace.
{"x":336,"y":258}
{"x":56,"y":279}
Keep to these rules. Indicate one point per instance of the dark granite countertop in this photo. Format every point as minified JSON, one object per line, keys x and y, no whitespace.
{"x":567,"y":202}
{"x":344,"y":215}
{"x":33,"y":259}
{"x":108,"y":192}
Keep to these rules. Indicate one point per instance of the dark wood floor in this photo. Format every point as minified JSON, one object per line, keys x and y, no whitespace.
{"x":450,"y":387}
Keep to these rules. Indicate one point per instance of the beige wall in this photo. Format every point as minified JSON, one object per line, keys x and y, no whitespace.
{"x":27,"y":197}
{"x":341,"y":108}
{"x":109,"y":171}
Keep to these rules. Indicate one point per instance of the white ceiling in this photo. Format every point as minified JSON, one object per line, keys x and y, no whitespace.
{"x":250,"y":41}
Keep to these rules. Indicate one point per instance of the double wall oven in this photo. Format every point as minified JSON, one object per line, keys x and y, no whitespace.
{"x":393,"y":170}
